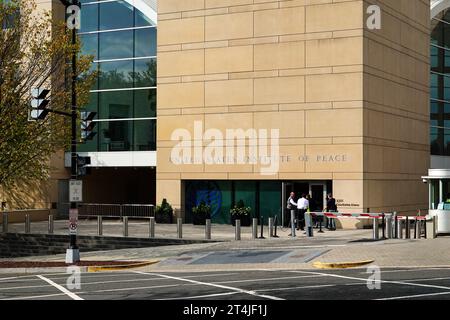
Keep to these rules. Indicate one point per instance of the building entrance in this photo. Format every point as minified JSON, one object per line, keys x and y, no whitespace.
{"x":316,"y":189}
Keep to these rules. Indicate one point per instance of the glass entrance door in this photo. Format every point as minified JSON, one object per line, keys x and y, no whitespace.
{"x":318,"y":192}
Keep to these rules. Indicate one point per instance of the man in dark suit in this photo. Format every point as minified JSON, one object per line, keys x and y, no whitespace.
{"x":331,"y":207}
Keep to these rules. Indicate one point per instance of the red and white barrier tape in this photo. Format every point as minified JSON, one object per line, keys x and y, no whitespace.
{"x":362,"y":215}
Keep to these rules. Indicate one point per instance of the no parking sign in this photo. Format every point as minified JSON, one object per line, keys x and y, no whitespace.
{"x":73,"y":221}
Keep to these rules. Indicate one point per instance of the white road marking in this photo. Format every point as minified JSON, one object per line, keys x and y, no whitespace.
{"x":264,"y":279}
{"x":135,"y":288}
{"x":427,"y":279}
{"x":416,"y":296}
{"x":253,"y":293}
{"x":410,"y":270}
{"x":60,"y":288}
{"x":204,"y":296}
{"x":301,"y":287}
{"x":36,"y":297}
{"x":380,"y":281}
{"x":25,"y":287}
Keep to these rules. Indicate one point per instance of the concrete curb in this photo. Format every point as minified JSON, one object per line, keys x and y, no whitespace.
{"x":341,"y":265}
{"x":121,"y":267}
{"x":83,"y":269}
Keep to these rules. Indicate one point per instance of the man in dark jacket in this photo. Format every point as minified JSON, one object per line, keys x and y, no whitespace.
{"x":331,"y":207}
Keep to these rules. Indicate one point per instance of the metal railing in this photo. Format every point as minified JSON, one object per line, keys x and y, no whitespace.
{"x":116,"y":210}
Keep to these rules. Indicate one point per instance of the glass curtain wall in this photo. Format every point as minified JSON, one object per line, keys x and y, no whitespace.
{"x":123,"y":43}
{"x":440,"y":85}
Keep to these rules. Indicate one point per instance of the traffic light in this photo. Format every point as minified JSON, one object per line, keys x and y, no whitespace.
{"x":87,"y":125}
{"x":82,"y":162}
{"x":39,"y":104}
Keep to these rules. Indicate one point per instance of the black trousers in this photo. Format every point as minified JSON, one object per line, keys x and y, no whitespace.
{"x":301,"y":219}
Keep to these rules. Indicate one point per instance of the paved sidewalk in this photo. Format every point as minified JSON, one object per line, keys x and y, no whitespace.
{"x":276,"y":253}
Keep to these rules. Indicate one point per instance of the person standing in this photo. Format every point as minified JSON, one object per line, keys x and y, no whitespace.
{"x":331,"y":207}
{"x":302,"y":206}
{"x":291,"y":207}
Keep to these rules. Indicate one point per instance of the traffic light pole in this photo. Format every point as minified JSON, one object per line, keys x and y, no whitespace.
{"x":73,"y":253}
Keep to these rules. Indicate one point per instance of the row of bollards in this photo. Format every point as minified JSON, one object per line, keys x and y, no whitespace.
{"x":394,"y":227}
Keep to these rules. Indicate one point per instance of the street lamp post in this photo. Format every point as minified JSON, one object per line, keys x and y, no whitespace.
{"x":73,"y":253}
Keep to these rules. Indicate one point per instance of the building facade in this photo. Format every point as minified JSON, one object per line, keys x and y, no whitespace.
{"x":351,"y":104}
{"x":257,"y":98}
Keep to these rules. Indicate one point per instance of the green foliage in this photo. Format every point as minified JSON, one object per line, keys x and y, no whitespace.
{"x":202,"y":210}
{"x":34,"y":54}
{"x":165,"y":209}
{"x":240,"y":210}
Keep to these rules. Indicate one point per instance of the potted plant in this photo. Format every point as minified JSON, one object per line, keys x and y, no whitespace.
{"x":164,"y":212}
{"x":200,"y":213}
{"x":241,"y":212}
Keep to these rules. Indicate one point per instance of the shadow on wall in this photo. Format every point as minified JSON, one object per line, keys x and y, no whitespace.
{"x":27,"y":195}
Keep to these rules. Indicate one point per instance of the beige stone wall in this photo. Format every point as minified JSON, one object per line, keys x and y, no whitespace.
{"x":265,"y":65}
{"x":311,"y":70}
{"x":396,"y":107}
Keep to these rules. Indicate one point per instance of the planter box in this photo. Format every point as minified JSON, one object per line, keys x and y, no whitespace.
{"x":199,"y":220}
{"x":246,"y":221}
{"x":163,"y":218}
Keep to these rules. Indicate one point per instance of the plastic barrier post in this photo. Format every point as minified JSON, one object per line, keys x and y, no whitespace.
{"x":262,"y":228}
{"x":275,"y":227}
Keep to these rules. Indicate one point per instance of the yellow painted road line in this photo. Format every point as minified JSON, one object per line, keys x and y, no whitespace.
{"x":341,"y":265}
{"x":121,"y":267}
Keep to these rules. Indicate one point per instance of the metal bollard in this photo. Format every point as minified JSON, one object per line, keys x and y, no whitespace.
{"x":320,"y":219}
{"x":125,"y":226}
{"x":27,"y":223}
{"x":5,"y":222}
{"x":237,"y":232}
{"x":407,"y":229}
{"x":383,"y":226}
{"x":180,"y":228}
{"x":395,"y":222}
{"x":99,"y":225}
{"x":376,"y":234}
{"x":50,"y":224}
{"x":270,"y":227}
{"x":151,"y":227}
{"x":388,"y":220}
{"x":254,"y":228}
{"x":208,"y":229}
{"x":308,"y":225}
{"x":400,"y":229}
{"x":293,"y":223}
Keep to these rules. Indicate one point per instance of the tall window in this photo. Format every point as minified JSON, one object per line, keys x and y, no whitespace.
{"x":440,"y":84}
{"x":123,"y":42}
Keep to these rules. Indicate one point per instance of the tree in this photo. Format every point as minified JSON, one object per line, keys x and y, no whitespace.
{"x":35,"y":52}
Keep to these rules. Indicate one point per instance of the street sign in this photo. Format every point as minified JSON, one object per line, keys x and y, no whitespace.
{"x":73,"y":221}
{"x":75,"y":191}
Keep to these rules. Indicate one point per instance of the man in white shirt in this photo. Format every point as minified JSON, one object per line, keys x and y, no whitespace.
{"x":302,"y":207}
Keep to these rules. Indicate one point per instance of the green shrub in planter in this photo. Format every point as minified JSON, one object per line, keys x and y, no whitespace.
{"x":241,"y":212}
{"x":164,"y":212}
{"x":200,"y":213}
